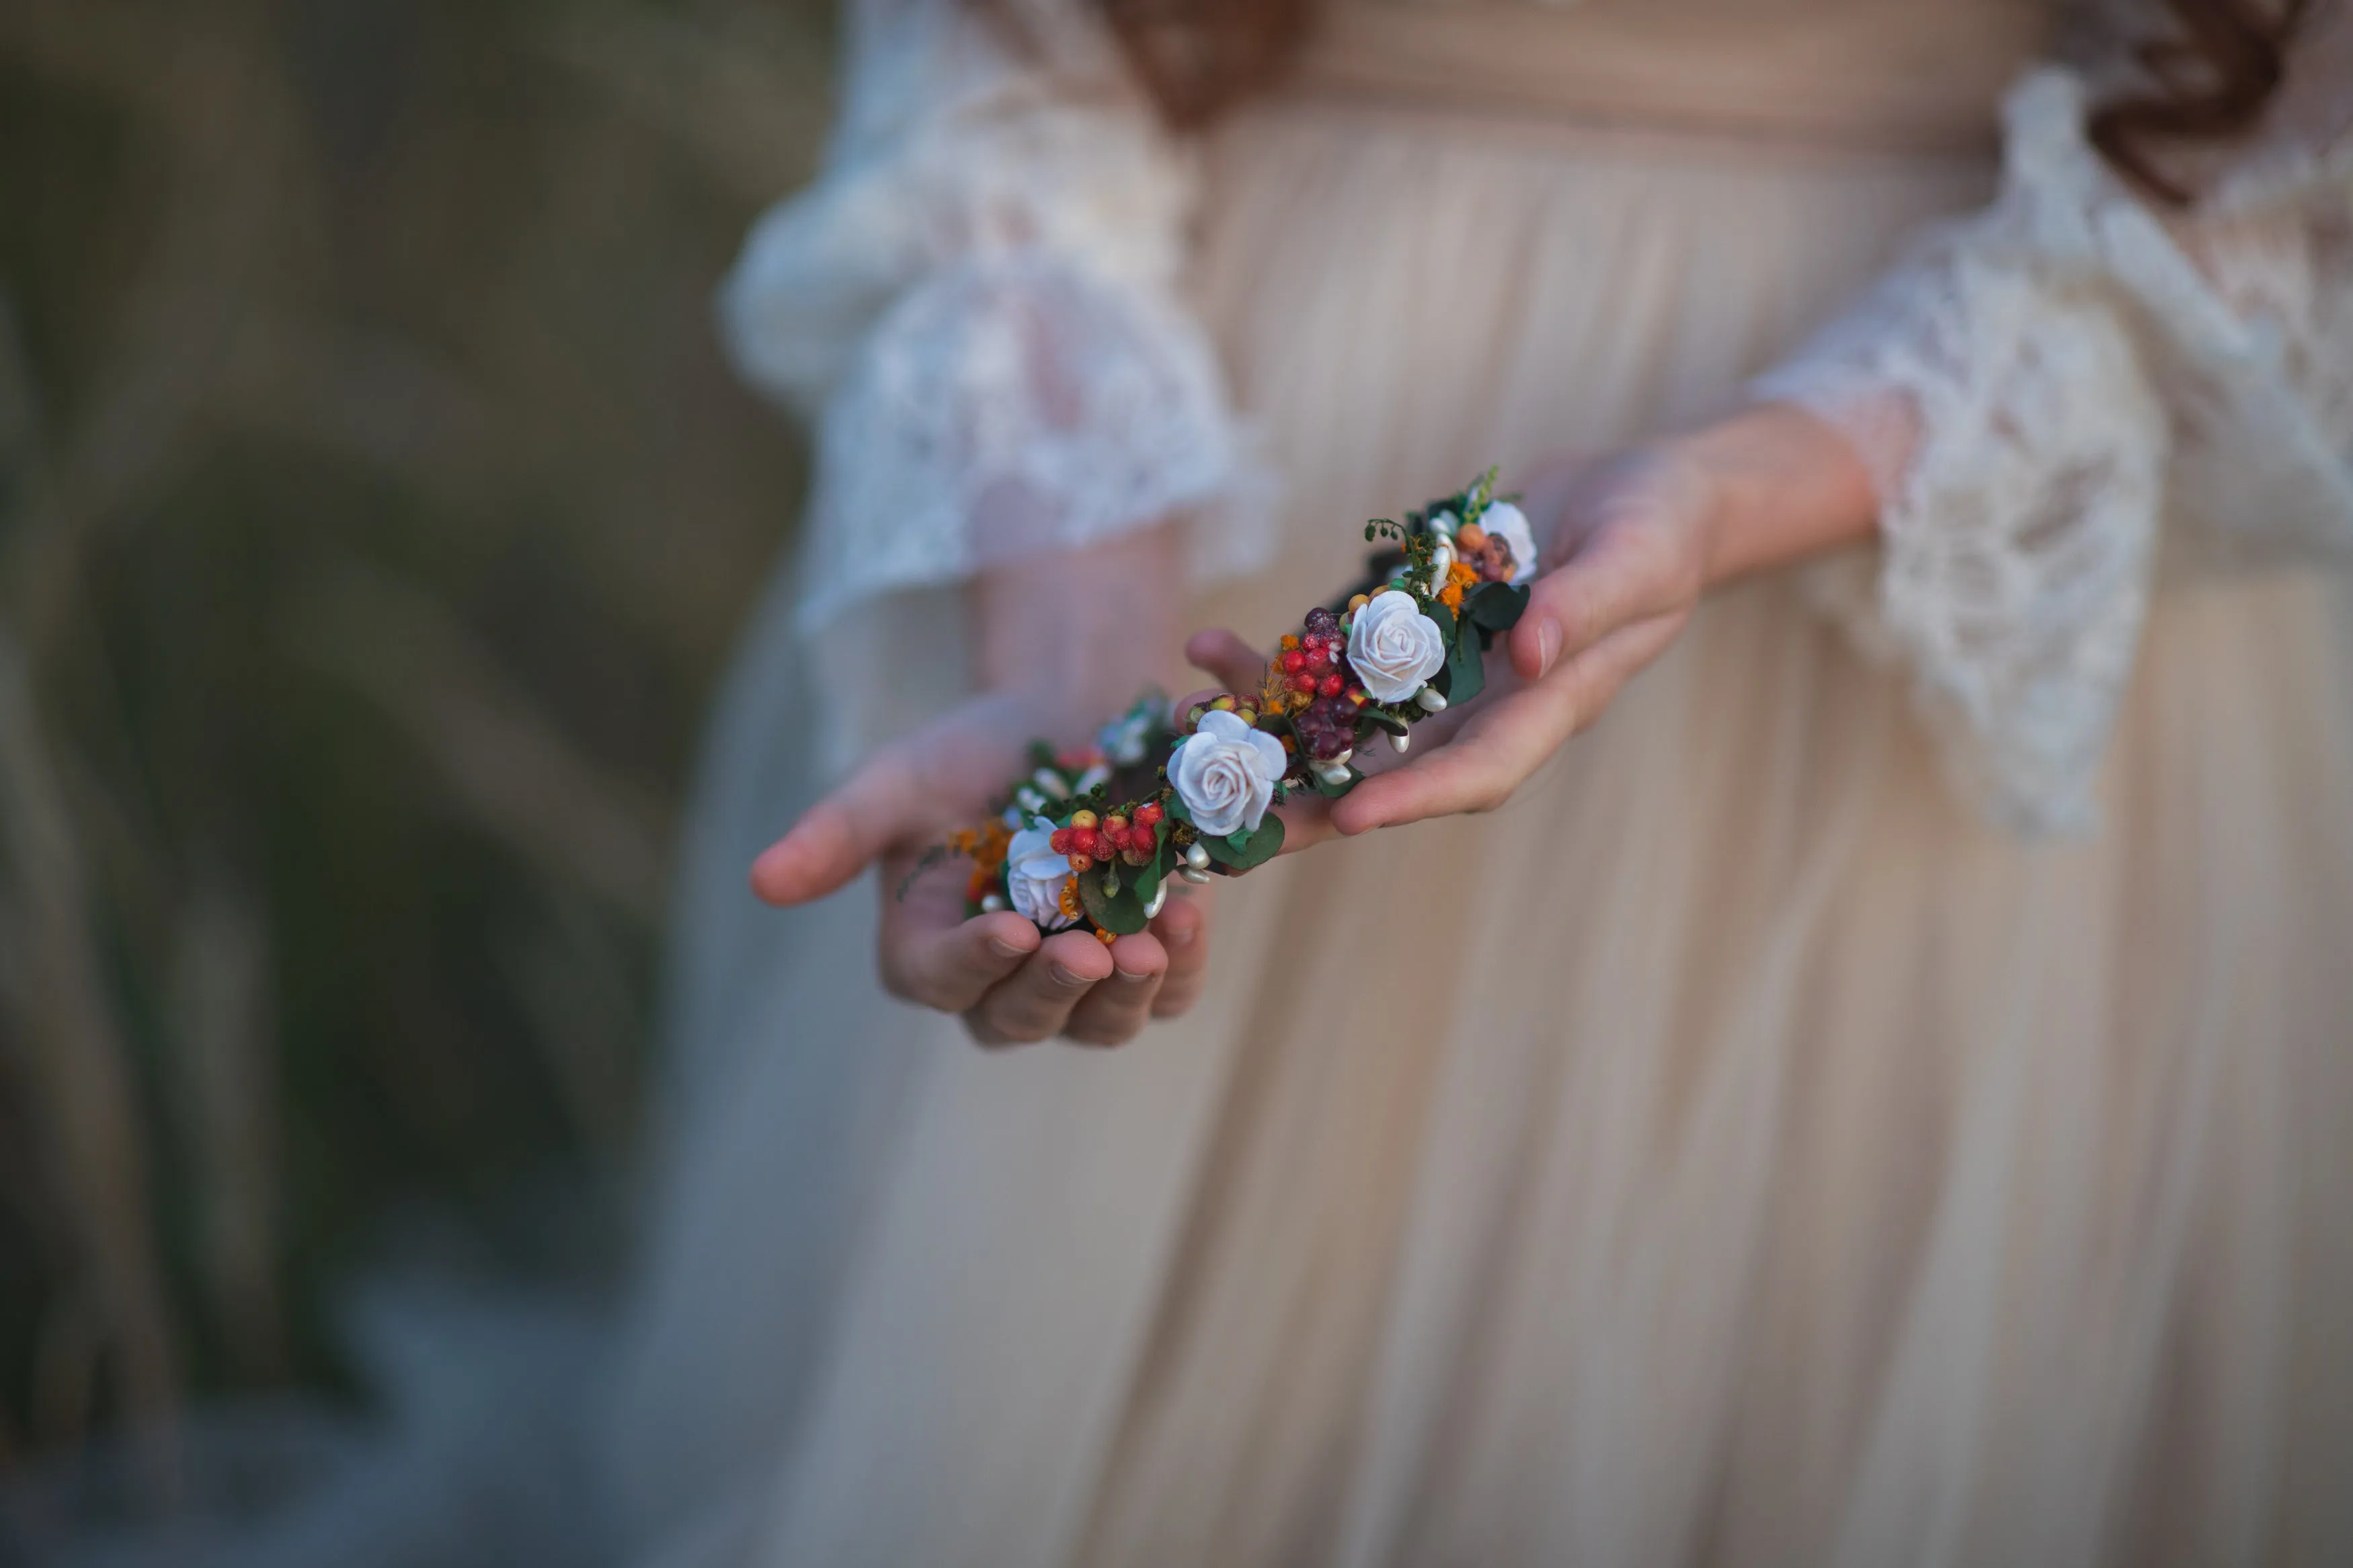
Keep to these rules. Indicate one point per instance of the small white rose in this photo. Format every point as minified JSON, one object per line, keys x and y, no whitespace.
{"x":1394,"y":647}
{"x":1225,"y":773}
{"x":1034,"y":875}
{"x":1509,"y":520}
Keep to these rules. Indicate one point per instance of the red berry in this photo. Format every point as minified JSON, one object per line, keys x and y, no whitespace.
{"x":1061,"y":842}
{"x":1330,"y":685}
{"x":1294,"y":661}
{"x":1148,"y":815}
{"x":1083,"y":840}
{"x":1305,"y":683}
{"x":1326,"y":727}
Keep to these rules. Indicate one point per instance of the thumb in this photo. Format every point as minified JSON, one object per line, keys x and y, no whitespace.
{"x":838,"y":836}
{"x":1236,"y":664}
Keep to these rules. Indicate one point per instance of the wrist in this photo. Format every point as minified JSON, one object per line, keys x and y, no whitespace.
{"x":1070,"y":635}
{"x":1774,"y":485}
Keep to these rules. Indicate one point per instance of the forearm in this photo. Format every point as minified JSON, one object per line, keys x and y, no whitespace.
{"x":1783,"y":486}
{"x":1080,"y":631}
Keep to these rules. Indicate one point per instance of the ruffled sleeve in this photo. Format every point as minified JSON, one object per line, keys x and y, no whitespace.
{"x":976,"y":302}
{"x":2043,"y":391}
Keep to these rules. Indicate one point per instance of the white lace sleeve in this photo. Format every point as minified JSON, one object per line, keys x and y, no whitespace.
{"x":976,"y":302}
{"x":2040,"y":387}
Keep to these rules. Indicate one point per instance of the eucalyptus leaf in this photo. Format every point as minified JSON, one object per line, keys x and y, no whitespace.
{"x":1497,"y":607}
{"x":1466,"y":671}
{"x":1256,"y":850}
{"x":1121,"y":913}
{"x":1335,"y":791}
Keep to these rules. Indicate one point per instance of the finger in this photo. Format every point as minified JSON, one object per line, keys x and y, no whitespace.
{"x":1620,"y":576}
{"x":1183,"y":929}
{"x":1306,"y":820}
{"x":1034,"y":1001}
{"x":1113,"y":1013}
{"x":1499,"y":746}
{"x":931,"y":954}
{"x":1236,"y":664}
{"x":837,"y":838}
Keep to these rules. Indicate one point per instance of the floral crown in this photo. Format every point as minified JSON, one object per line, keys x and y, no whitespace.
{"x":1091,"y":836}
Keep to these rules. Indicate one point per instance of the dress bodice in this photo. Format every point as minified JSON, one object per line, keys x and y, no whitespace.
{"x":1919,"y":74}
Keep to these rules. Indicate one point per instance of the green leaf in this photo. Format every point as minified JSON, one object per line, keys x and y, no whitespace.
{"x":1466,"y":672}
{"x":1335,"y":791}
{"x":1443,"y":617}
{"x":1121,"y":913}
{"x":1380,"y":718}
{"x":1257,"y":848}
{"x":1147,"y":878}
{"x":1176,"y":809}
{"x":1497,"y":607}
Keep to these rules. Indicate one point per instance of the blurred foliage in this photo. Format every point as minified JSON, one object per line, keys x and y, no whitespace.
{"x":375,"y":512}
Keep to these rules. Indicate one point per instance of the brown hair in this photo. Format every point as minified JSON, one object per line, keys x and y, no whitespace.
{"x":2211,"y":72}
{"x":2210,"y":78}
{"x":1199,"y":57}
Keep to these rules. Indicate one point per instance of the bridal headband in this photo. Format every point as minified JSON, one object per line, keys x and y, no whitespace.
{"x":1092,"y":838}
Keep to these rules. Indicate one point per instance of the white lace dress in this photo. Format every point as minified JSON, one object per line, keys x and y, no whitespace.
{"x":1875,"y":1100}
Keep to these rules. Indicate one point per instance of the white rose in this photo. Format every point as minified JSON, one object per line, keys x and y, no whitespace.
{"x":1509,"y":520}
{"x":1393,"y":647}
{"x":1034,"y":875}
{"x":1225,"y":773}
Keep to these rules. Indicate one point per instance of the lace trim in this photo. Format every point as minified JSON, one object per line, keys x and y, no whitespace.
{"x":1013,"y":405}
{"x":2004,"y":386}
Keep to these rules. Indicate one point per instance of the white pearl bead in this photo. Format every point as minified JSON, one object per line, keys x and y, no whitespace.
{"x":1192,"y":874}
{"x":990,"y":903}
{"x":1196,"y":857}
{"x":1429,"y":699}
{"x":1160,"y":898}
{"x":1399,"y":742}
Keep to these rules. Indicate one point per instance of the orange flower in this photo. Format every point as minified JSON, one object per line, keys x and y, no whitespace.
{"x":1458,"y":578}
{"x":1071,"y":906}
{"x":984,"y":845}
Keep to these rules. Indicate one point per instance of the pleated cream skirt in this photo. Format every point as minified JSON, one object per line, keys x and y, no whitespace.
{"x":1729,"y":1153}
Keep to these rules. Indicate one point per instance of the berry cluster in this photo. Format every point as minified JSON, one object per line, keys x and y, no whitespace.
{"x":1312,"y":667}
{"x":1088,"y":839}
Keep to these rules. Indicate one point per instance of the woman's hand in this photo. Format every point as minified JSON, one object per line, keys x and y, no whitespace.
{"x":1635,"y":539}
{"x":1010,"y":985}
{"x":1063,"y":642}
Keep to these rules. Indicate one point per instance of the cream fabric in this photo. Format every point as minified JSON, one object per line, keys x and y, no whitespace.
{"x":1734,"y":1151}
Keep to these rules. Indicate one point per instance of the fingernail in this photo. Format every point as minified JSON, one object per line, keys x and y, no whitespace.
{"x":1004,"y":949}
{"x":1063,"y":976}
{"x":1127,"y":979}
{"x":1548,"y":646}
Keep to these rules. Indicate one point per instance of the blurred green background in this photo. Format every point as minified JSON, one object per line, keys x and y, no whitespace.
{"x":375,"y":515}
